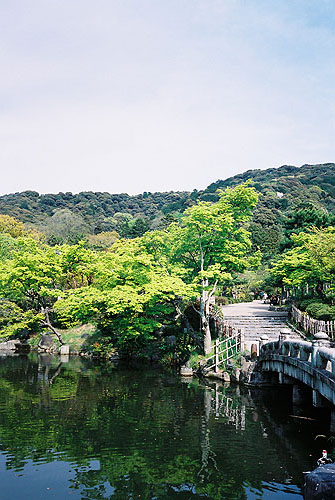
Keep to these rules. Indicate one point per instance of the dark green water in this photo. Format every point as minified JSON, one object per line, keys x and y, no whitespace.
{"x":83,"y":431}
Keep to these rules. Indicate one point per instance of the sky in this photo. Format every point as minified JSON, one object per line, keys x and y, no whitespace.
{"x":159,"y":95}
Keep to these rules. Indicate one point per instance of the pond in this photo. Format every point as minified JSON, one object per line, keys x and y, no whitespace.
{"x":81,"y":430}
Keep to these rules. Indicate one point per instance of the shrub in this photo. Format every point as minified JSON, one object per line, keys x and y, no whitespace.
{"x":307,"y":302}
{"x":321,"y":311}
{"x":327,"y":313}
{"x":313,"y":308}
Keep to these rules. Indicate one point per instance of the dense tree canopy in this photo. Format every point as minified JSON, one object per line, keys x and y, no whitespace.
{"x":130,"y":288}
{"x":133,"y":264}
{"x":209,"y":244}
{"x":290,"y":199}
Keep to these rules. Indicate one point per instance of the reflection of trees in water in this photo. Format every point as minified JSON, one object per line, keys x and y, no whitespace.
{"x":207,"y":454}
{"x":151,"y":435}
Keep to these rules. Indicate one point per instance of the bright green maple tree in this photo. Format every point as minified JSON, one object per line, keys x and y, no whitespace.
{"x":132,"y":289}
{"x":130,"y":296}
{"x":209,"y":245}
{"x":33,"y":275}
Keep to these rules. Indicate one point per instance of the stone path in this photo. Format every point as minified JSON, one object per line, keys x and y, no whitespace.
{"x":255,"y":319}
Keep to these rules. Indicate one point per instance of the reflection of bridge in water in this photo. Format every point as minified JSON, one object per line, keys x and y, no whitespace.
{"x":232,"y":409}
{"x":278,"y":420}
{"x":256,"y":413}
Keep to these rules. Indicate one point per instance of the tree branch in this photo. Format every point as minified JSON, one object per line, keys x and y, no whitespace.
{"x":196,"y":310}
{"x":213,"y":290}
{"x":47,"y":324}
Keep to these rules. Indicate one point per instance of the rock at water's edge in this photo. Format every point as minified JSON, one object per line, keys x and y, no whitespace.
{"x":320,"y":484}
{"x":10,"y":345}
{"x":65,"y":349}
{"x":186,"y":371}
{"x":46,"y":341}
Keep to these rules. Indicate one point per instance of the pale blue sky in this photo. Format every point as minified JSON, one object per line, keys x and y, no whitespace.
{"x":154,"y":95}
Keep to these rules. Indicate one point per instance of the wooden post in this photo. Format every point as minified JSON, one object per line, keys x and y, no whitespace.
{"x":216,"y":355}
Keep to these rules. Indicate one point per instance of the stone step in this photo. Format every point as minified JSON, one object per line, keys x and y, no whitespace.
{"x":254,"y":320}
{"x":254,"y":323}
{"x":249,"y":324}
{"x":259,"y":334}
{"x":251,"y":327}
{"x":261,"y":320}
{"x":255,"y":326}
{"x":269,"y":330}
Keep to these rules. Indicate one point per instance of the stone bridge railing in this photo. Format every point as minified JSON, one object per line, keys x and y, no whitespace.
{"x":312,"y":363}
{"x":320,"y":352}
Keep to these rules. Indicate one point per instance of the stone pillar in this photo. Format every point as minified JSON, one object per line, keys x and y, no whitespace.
{"x":298,"y":394}
{"x":320,"y":339}
{"x":65,"y":349}
{"x":262,"y":340}
{"x":319,"y":401}
{"x":332,"y":421}
{"x":254,"y":351}
{"x":284,"y":334}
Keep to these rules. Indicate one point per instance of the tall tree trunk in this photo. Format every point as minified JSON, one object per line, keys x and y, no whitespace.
{"x":204,"y":316}
{"x":190,"y":329}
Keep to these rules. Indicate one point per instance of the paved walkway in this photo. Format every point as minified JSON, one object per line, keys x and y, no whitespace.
{"x":255,"y":308}
{"x":255,"y":319}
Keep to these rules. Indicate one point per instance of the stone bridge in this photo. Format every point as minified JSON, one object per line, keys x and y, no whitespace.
{"x":304,"y":365}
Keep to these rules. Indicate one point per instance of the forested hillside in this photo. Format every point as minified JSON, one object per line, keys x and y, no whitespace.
{"x":32,"y":207}
{"x":290,"y":198}
{"x":77,"y":257}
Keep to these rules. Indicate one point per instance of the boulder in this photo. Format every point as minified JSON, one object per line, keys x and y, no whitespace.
{"x":171,"y":340}
{"x":10,"y":345}
{"x":220,"y":375}
{"x":186,"y":371}
{"x":46,"y":341}
{"x":320,"y":483}
{"x":235,"y":375}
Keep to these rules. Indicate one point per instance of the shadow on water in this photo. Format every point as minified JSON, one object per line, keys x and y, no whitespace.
{"x":83,"y":430}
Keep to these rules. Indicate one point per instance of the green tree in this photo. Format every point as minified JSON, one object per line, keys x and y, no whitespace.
{"x":35,"y":274}
{"x":15,"y":322}
{"x":11,"y":226}
{"x":311,"y":261}
{"x":209,"y":245}
{"x":65,"y":227}
{"x":129,"y":298}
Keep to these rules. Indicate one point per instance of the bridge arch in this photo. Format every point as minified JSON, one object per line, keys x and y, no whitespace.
{"x":309,"y":363}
